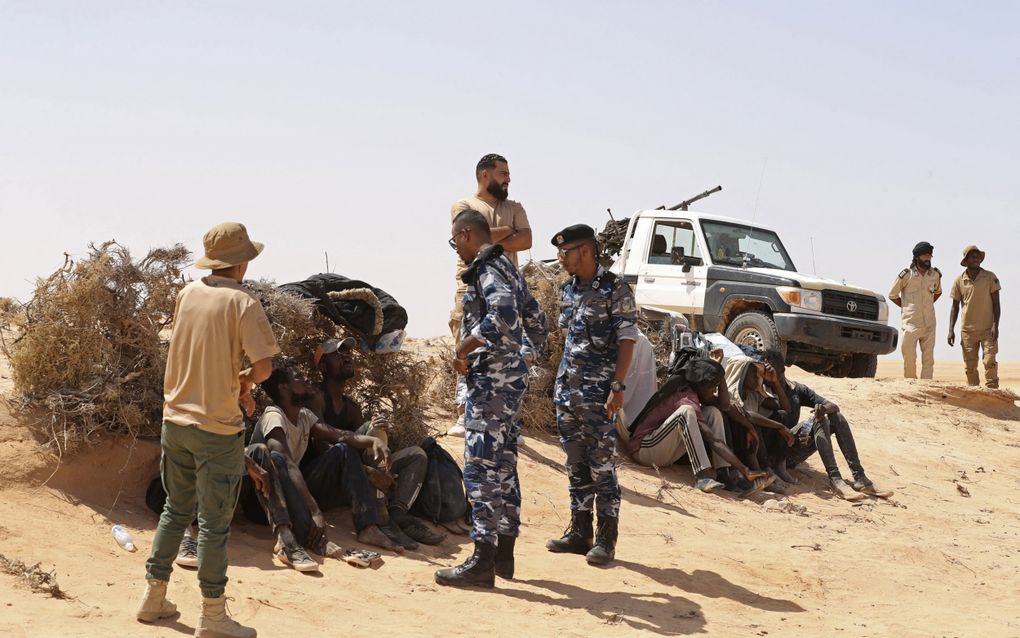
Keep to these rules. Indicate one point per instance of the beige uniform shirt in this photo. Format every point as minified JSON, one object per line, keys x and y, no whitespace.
{"x":975,"y":295}
{"x":917,"y":293}
{"x":504,"y":213}
{"x":216,"y":323}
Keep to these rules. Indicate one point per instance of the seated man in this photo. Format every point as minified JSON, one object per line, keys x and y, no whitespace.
{"x":825,"y":420}
{"x":681,"y":418}
{"x":751,"y":405}
{"x":263,"y":487}
{"x":398,"y":484}
{"x":336,"y":477}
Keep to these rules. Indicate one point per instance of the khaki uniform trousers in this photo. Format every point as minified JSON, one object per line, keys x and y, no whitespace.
{"x":925,"y":336}
{"x":972,"y":341}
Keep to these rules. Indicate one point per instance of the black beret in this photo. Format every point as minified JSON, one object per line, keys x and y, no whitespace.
{"x":573,"y":233}
{"x":923,"y":248}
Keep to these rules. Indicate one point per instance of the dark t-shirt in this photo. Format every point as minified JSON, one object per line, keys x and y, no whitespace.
{"x":348,"y":417}
{"x":801,"y":396}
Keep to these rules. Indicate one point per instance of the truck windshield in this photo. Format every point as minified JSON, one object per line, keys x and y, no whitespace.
{"x":739,"y":245}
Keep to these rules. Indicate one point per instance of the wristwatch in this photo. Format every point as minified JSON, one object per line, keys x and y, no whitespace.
{"x":617,"y":387}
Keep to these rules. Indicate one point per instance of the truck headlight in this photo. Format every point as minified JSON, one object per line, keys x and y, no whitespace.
{"x":883,"y":310}
{"x":800,"y":298}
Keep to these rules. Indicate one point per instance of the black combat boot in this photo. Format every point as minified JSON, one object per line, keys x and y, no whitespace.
{"x":477,"y":571}
{"x":605,"y":541}
{"x":505,"y":556}
{"x":577,"y":538}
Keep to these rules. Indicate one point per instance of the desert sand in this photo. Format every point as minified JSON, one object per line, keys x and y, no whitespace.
{"x":930,"y":561}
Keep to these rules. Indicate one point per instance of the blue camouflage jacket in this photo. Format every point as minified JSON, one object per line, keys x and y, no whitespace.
{"x":597,"y":317}
{"x":500,"y":310}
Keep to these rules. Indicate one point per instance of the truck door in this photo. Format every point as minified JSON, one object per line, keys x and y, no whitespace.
{"x":672,"y":274}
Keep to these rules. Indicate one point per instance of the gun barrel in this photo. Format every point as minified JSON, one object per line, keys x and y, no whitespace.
{"x":687,"y":202}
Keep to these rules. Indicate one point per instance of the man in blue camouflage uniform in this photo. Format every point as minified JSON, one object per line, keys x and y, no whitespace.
{"x":598,"y":315}
{"x":502,"y":331}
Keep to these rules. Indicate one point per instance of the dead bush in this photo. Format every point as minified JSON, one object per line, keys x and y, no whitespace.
{"x":86,"y":349}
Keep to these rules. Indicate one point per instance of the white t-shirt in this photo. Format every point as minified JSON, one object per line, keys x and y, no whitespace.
{"x":296,"y":435}
{"x":641,"y":381}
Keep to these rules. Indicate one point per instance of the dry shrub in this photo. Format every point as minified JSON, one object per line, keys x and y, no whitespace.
{"x":658,"y":332}
{"x":32,"y":576}
{"x":442,"y":390}
{"x":88,"y":351}
{"x":544,"y":281}
{"x":395,"y":385}
{"x":392,"y":384}
{"x":296,"y":323}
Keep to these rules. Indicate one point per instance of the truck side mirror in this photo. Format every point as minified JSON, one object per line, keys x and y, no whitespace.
{"x":688,"y":261}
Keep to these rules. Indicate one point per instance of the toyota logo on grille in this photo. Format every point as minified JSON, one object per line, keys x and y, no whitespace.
{"x":851,"y":305}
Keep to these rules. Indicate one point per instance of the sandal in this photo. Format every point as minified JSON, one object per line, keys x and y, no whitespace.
{"x":361,"y":557}
{"x":758,"y":485}
{"x":865,"y":486}
{"x":842,"y":490}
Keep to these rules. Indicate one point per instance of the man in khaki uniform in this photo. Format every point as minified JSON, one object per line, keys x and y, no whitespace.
{"x":916,"y":290}
{"x":508,"y":225}
{"x":978,"y":290}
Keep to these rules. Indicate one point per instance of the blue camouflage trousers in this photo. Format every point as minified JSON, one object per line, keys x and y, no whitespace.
{"x":492,"y":425}
{"x":589,"y":439}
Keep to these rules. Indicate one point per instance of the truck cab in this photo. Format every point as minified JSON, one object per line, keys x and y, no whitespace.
{"x":731,"y":276}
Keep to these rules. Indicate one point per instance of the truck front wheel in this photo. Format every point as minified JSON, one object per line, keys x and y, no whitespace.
{"x":755,"y":329}
{"x":864,"y":366}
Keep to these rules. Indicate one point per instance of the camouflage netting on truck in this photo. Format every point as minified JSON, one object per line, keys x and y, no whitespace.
{"x":611,"y":240}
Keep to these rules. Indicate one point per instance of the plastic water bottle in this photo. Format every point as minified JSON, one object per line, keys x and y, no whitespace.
{"x":123,"y":538}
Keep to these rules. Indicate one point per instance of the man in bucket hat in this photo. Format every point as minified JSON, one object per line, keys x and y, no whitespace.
{"x":216,"y":324}
{"x":916,"y":290}
{"x":977,"y":290}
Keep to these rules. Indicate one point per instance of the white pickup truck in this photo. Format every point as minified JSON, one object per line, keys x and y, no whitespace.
{"x":728,"y":276}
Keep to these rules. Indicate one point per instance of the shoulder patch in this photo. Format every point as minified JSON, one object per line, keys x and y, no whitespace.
{"x":904,"y":272}
{"x":937,"y":270}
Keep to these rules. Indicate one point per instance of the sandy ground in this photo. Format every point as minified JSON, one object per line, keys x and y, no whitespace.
{"x":928,"y":562}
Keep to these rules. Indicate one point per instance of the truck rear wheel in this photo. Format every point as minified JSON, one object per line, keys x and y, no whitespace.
{"x":864,"y":366}
{"x":755,"y":329}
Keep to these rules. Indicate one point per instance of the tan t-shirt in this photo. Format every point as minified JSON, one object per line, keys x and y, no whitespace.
{"x":216,"y":323}
{"x":297,"y":434}
{"x":504,"y":213}
{"x":976,"y":297}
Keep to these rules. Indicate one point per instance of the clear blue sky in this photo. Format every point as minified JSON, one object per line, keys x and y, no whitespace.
{"x":349,"y":128}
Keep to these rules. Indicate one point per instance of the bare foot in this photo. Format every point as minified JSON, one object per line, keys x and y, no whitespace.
{"x":783,"y":474}
{"x":372,"y":535}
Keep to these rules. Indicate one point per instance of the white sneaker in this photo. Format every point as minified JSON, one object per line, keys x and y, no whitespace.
{"x":458,"y":427}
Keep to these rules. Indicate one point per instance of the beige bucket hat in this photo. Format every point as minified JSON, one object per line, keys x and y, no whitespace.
{"x":967,"y":251}
{"x":227,"y":245}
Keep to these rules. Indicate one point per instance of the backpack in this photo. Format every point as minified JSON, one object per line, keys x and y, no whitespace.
{"x":442,"y":496}
{"x":155,"y":495}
